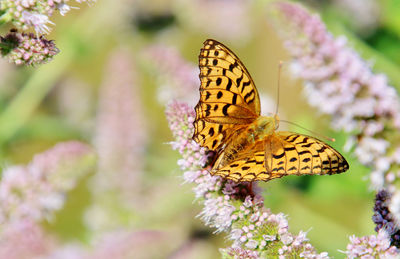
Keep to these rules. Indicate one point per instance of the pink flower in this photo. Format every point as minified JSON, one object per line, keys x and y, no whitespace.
{"x":34,"y":13}
{"x":120,"y":140}
{"x":225,"y":19}
{"x":372,"y":246}
{"x":24,"y":239}
{"x":338,"y":82}
{"x":27,"y":49}
{"x":35,"y":191}
{"x":126,"y":244}
{"x":177,"y":78}
{"x":228,"y":207}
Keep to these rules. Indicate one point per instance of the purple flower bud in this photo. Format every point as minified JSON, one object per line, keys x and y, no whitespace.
{"x":27,"y":49}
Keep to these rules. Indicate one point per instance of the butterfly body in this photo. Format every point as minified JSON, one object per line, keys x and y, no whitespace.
{"x":248,"y":147}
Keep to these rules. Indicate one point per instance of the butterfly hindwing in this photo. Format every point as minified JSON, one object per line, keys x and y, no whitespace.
{"x":247,"y":165}
{"x":281,"y":154}
{"x":307,"y":155}
{"x":228,"y":96}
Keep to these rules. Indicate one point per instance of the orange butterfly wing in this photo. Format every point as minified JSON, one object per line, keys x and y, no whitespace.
{"x":280,"y":154}
{"x":228,"y":97}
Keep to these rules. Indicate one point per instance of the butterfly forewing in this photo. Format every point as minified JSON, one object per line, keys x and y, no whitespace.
{"x":228,"y":97}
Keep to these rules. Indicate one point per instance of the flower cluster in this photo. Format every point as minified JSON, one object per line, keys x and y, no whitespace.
{"x":26,"y":48}
{"x":179,"y":80}
{"x":239,"y":253}
{"x":35,"y":191}
{"x":225,"y":19}
{"x":25,"y":14}
{"x":119,"y":139}
{"x":24,"y":239}
{"x":233,"y":207}
{"x":371,"y":247}
{"x":338,"y":82}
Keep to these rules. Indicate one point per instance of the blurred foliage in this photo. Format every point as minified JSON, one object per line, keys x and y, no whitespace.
{"x":31,"y":119}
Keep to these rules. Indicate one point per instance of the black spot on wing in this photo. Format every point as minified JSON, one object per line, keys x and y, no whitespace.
{"x":238,"y":82}
{"x":211,"y":132}
{"x":208,"y":94}
{"x":229,"y":85}
{"x":279,"y":156}
{"x":225,"y":109}
{"x":234,"y":99}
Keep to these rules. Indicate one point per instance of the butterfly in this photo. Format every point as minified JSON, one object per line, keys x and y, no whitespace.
{"x":247,"y":146}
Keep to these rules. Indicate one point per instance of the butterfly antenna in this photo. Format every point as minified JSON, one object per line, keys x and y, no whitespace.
{"x":279,"y":86}
{"x":312,"y":132}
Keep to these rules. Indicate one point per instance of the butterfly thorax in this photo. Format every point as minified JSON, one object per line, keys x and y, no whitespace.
{"x":262,"y":127}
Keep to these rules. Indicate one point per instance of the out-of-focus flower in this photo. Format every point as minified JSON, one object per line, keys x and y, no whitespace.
{"x":372,"y":247}
{"x":33,"y":13}
{"x":177,"y":78}
{"x":366,"y":11}
{"x":27,"y":49}
{"x":225,"y":19}
{"x":35,"y":191}
{"x":228,"y":206}
{"x":24,"y":239}
{"x":125,"y":245}
{"x":338,"y":82}
{"x":75,"y":100}
{"x":120,"y":139}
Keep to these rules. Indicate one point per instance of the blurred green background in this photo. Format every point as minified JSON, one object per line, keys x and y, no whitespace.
{"x":40,"y":106}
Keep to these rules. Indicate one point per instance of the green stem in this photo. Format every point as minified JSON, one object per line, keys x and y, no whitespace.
{"x":29,"y":97}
